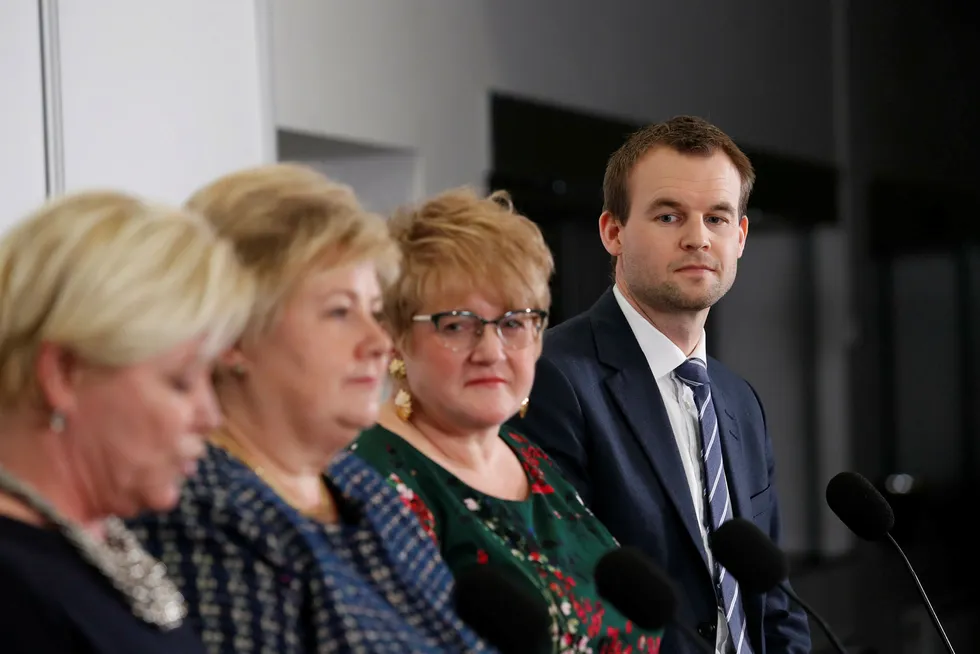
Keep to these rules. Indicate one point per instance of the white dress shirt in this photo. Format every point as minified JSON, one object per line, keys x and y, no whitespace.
{"x":663,"y":357}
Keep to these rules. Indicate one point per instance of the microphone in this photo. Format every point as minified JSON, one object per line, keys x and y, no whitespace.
{"x":632,"y":583}
{"x":759,"y":565}
{"x":503,"y":609}
{"x":868,"y":514}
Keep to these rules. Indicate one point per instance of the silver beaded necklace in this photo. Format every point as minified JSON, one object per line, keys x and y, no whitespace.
{"x":143,"y":581}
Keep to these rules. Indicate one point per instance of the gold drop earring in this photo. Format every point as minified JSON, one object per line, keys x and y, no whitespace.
{"x":403,"y":399}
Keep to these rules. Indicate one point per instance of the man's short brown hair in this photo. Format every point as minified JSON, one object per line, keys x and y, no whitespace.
{"x":684,"y":134}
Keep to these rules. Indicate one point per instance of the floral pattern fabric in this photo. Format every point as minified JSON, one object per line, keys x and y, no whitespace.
{"x":551,"y":538}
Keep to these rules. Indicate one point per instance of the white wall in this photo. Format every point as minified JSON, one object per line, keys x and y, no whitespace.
{"x":384,"y":178}
{"x":394,"y":74}
{"x":22,"y":174}
{"x":155,"y":97}
{"x":160,"y":96}
{"x":417,"y":74}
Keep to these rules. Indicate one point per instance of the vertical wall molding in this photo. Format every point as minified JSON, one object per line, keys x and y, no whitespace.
{"x":966,"y":323}
{"x":54,"y":141}
{"x":834,"y":361}
{"x":267,"y":86}
{"x":810,"y":350}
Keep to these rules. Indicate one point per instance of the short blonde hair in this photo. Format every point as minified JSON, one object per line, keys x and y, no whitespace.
{"x":286,"y":220}
{"x":458,"y":242}
{"x":115,"y":280}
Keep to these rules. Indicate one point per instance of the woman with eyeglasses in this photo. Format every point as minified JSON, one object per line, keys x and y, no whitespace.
{"x":467,"y":315}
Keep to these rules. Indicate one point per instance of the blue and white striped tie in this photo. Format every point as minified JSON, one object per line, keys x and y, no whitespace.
{"x":694,"y":373}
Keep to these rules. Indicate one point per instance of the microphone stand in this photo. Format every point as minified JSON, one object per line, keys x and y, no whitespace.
{"x":700,"y":643}
{"x":816,"y":617}
{"x":922,"y":594}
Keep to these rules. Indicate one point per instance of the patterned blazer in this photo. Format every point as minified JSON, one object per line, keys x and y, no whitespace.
{"x":259,"y":577}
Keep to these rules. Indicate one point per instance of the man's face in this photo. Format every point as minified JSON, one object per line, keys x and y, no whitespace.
{"x":679,"y":249}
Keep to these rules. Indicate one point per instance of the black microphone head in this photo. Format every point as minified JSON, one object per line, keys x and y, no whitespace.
{"x":504,"y":609}
{"x":631,"y":582}
{"x":749,"y":555}
{"x":860,"y":506}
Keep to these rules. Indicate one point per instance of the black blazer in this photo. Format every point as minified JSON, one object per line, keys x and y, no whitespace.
{"x":597,"y":410}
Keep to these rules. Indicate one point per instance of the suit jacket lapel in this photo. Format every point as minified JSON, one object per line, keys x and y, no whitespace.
{"x":732,"y":449}
{"x":638,"y":396}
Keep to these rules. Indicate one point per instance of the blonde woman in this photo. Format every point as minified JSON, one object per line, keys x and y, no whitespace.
{"x":111,"y":313}
{"x":283,"y":543}
{"x":467,"y":315}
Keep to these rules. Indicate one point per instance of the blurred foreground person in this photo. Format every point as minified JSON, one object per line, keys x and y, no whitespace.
{"x":284,"y":543}
{"x":111,"y":312}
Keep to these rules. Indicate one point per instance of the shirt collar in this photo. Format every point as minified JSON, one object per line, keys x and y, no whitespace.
{"x":662,"y":355}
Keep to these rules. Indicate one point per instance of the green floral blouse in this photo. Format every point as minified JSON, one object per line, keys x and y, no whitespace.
{"x":551,"y":537}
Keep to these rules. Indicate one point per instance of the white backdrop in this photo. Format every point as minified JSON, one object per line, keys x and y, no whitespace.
{"x":22,"y":176}
{"x":156,"y":97}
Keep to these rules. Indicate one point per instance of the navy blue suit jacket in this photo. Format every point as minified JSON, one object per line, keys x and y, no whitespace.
{"x":597,"y":410}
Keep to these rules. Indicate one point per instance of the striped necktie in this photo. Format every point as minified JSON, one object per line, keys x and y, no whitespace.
{"x":718,"y":502}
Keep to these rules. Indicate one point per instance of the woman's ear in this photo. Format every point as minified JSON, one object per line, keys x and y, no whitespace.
{"x":59,"y":373}
{"x":231,"y":357}
{"x":400,"y":347}
{"x":233,"y":361}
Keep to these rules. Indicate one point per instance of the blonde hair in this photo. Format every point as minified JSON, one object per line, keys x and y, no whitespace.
{"x":116,"y":281}
{"x":458,"y":242}
{"x":286,"y":220}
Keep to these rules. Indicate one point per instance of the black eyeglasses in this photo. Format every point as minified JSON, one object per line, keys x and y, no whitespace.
{"x":462,"y":330}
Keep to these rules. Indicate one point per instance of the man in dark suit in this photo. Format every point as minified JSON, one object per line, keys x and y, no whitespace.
{"x":663,"y":442}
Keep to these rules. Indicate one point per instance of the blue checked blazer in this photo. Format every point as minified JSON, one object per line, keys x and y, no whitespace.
{"x":259,"y":577}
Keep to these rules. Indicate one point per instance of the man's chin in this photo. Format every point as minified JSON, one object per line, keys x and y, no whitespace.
{"x":688,"y":304}
{"x":696,"y":301}
{"x":696,"y":306}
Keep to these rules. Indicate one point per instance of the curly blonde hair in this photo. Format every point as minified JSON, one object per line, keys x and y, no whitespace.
{"x":458,"y":242}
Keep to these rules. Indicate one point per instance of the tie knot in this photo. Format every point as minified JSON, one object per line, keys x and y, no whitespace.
{"x":693,"y":372}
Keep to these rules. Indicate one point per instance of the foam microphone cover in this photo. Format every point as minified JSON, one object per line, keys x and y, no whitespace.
{"x":749,"y":555}
{"x":631,"y":582}
{"x":860,"y":506}
{"x":504,"y":609}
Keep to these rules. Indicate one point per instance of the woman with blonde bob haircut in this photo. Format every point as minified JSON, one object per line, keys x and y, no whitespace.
{"x":111,"y":314}
{"x":467,"y":316}
{"x":285,"y":543}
